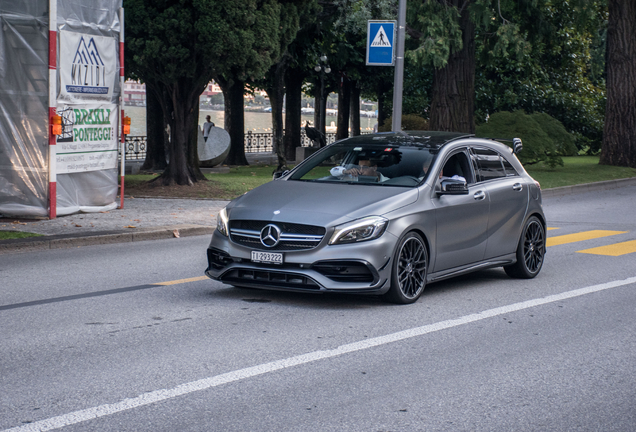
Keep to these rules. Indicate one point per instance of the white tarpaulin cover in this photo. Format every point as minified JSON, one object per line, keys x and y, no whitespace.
{"x":24,"y":91}
{"x":88,"y":79}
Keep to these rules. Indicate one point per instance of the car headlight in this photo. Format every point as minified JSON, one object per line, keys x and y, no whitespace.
{"x":367,"y":228}
{"x":221,"y":223}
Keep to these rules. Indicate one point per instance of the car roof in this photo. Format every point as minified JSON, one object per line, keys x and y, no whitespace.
{"x":431,"y":139}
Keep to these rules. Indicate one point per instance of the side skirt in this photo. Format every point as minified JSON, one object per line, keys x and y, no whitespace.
{"x":493,"y":262}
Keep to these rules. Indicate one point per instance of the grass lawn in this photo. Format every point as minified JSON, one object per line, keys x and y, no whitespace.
{"x":8,"y":235}
{"x":223,"y":186}
{"x":577,"y":170}
{"x":226,"y":186}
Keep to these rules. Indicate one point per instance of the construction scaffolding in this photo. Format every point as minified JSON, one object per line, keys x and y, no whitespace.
{"x":60,"y":58}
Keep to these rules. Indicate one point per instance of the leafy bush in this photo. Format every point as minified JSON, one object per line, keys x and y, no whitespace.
{"x":538,"y":144}
{"x":565,"y":141}
{"x":409,"y":122}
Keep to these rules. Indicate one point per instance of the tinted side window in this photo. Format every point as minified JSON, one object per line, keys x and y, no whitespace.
{"x":510,"y":170}
{"x":458,"y":165}
{"x":489,"y":164}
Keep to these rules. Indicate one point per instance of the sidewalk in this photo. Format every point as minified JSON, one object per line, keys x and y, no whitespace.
{"x":161,"y":218}
{"x":140,"y":219}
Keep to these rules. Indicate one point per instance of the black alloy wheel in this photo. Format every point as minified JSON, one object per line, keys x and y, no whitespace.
{"x":530,"y":251}
{"x":410,"y":267}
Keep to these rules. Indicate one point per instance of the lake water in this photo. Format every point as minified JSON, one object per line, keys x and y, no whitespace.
{"x":254,"y":121}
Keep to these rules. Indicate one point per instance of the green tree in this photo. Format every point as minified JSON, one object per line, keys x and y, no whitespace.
{"x":445,"y":34}
{"x":260,"y":41}
{"x":300,"y":65}
{"x":347,"y":53}
{"x":162,"y":37}
{"x":292,"y":16}
{"x":181,"y":45}
{"x":560,"y":75}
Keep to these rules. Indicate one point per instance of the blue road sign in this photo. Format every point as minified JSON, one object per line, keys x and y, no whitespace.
{"x":380,"y":43}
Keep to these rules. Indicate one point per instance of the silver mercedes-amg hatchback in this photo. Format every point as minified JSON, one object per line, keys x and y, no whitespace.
{"x":384,"y":214}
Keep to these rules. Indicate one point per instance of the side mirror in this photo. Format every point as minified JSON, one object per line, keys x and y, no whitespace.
{"x":453,"y":187}
{"x":517,"y":145}
{"x":279,"y":174}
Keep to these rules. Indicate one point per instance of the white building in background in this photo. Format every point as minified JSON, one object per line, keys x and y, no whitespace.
{"x":212,"y":89}
{"x":134,"y":93}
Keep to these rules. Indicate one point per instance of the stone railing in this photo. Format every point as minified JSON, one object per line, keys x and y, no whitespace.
{"x":255,"y":142}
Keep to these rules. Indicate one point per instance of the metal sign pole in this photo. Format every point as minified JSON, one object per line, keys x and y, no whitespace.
{"x":52,"y":108}
{"x":121,"y":106}
{"x":398,"y":79}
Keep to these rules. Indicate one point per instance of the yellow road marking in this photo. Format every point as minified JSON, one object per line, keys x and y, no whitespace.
{"x":552,"y":228}
{"x":180,"y":281}
{"x":585,"y":235}
{"x":617,"y":249}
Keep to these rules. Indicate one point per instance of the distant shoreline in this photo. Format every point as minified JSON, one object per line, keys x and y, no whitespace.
{"x":256,"y":121}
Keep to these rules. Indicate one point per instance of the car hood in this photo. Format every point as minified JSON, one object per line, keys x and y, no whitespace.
{"x":322,"y":204}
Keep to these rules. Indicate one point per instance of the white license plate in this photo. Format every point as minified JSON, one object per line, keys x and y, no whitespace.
{"x":267,"y":257}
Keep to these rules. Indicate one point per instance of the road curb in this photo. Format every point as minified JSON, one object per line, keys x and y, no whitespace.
{"x":33,"y":244}
{"x":587,"y":187}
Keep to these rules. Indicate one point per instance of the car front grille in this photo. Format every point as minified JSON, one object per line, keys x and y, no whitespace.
{"x":293,"y":236}
{"x":269,"y":278}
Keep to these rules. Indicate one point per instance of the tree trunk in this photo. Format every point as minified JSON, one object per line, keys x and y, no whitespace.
{"x":382,"y":112}
{"x":234,"y":120}
{"x":355,"y":109}
{"x":193,"y":146}
{"x":317,"y":109}
{"x":178,"y":102}
{"x":453,"y":99}
{"x":178,"y":171}
{"x":276,"y":95}
{"x":156,"y":141}
{"x":619,"y":134}
{"x":293,"y":102}
{"x":344,"y":101}
{"x":320,"y":106}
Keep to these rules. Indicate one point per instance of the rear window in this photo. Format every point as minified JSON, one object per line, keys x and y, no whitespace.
{"x":489,"y":165}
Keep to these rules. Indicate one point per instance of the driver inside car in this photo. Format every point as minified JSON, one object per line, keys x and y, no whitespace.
{"x":364,"y":167}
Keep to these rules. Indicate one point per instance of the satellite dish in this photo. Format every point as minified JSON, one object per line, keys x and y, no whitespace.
{"x":215,"y":150}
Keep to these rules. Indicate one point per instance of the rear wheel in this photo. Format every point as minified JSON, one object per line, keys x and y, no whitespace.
{"x":530,"y":251}
{"x":410,"y":266}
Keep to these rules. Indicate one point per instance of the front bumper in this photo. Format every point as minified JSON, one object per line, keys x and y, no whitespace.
{"x":363,"y":267}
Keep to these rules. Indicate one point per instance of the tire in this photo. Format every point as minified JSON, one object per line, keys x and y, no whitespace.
{"x":410,"y":267}
{"x":530,"y":251}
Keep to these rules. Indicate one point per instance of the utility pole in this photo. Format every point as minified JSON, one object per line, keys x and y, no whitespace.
{"x":398,"y":77}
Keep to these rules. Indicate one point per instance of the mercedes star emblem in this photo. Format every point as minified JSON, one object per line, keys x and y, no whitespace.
{"x":270,"y":235}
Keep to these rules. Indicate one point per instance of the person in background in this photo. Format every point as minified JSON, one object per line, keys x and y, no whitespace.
{"x":206,"y":127}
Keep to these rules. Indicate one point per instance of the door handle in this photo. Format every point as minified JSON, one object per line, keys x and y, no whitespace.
{"x":479,"y":195}
{"x":517,"y":187}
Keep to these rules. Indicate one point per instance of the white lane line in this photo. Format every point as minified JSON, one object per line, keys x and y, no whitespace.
{"x":241,"y":374}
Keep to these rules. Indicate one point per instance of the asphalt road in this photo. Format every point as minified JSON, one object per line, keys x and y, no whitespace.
{"x":130,"y":337}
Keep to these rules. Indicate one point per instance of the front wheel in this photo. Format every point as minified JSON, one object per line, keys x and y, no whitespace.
{"x":530,"y":251}
{"x":410,"y":266}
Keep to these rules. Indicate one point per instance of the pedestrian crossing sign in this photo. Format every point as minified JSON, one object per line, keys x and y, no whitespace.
{"x":380,"y":43}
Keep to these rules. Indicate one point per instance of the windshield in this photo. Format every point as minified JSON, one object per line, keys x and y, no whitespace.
{"x":373,"y":164}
